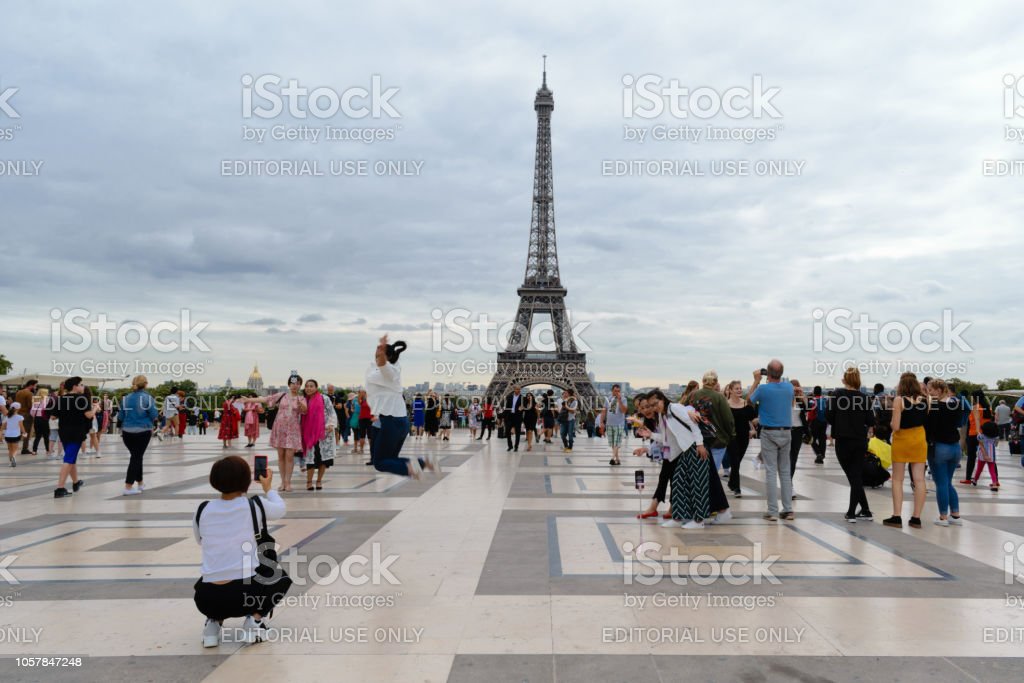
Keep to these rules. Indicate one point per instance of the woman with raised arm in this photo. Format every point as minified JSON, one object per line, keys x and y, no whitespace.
{"x":286,"y":434}
{"x":384,"y":392}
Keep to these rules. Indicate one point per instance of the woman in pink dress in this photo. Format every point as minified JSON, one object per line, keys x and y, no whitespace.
{"x":252,"y":422}
{"x":286,"y":434}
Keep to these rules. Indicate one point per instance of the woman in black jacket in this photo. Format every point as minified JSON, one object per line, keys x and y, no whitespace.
{"x":849,"y":412}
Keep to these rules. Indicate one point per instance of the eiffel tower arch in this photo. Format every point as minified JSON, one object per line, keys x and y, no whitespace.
{"x":542,"y":292}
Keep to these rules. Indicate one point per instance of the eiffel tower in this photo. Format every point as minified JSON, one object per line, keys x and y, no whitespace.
{"x":542,"y":291}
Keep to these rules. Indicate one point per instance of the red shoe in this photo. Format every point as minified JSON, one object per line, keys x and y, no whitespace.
{"x":667,"y":515}
{"x":647,"y":515}
{"x":966,"y":481}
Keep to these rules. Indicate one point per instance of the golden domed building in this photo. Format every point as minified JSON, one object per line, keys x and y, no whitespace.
{"x":255,"y":382}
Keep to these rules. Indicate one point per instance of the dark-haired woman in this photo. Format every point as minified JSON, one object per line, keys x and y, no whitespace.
{"x":981,"y":412}
{"x":286,"y":434}
{"x":909,"y":447}
{"x":318,"y":424}
{"x":529,"y":418}
{"x":229,"y":586}
{"x":678,"y":437}
{"x":384,"y":391}
{"x":547,"y":415}
{"x":447,"y":417}
{"x":229,"y":418}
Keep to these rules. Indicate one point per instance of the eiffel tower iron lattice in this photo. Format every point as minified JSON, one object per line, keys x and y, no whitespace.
{"x":542,"y":291}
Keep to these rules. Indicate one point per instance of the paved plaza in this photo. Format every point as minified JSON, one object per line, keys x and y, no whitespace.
{"x":511,"y":567}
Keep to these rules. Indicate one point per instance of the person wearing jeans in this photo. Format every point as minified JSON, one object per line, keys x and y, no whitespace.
{"x":569,"y":407}
{"x":138,"y":410}
{"x":775,"y":403}
{"x":385,"y":400}
{"x":942,"y":430}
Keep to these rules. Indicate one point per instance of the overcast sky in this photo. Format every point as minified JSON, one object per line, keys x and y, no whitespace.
{"x":887,"y":110}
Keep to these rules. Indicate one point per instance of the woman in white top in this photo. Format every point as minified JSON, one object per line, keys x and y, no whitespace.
{"x":387,"y":403}
{"x":14,"y":432}
{"x":234,"y":584}
{"x":678,"y":436}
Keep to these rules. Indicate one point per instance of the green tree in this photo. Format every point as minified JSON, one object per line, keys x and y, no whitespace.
{"x":1008,"y":384}
{"x":5,"y":365}
{"x":958,"y":385}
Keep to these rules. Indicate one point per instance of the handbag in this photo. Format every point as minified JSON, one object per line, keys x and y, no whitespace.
{"x":266,"y":547}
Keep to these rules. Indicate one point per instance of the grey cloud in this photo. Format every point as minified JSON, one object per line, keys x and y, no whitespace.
{"x":265,"y":321}
{"x":311,"y":318}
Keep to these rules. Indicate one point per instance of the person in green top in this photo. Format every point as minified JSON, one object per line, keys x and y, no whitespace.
{"x":714,"y":408}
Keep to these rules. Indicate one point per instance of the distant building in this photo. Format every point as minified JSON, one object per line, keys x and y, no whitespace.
{"x":255,"y":382}
{"x":227,"y":383}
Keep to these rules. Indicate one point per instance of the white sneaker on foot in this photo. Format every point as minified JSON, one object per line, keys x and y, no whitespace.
{"x":693,"y":525}
{"x":415,"y":471}
{"x":130,"y":492}
{"x":670,"y":524}
{"x":956,"y":521}
{"x":721,"y":517}
{"x":942,"y":522}
{"x":211,"y":633}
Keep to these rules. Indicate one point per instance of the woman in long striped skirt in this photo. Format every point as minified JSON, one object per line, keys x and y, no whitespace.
{"x":678,"y":436}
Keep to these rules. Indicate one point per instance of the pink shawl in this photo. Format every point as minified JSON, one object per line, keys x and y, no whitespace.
{"x":313,"y":424}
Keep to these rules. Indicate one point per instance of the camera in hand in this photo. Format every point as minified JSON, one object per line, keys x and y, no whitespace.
{"x":764,"y":372}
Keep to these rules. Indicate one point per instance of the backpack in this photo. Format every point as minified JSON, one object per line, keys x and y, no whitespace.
{"x":874,"y":475}
{"x":821,"y":412}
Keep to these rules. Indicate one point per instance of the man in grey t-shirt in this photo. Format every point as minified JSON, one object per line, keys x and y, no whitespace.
{"x":613,"y":417}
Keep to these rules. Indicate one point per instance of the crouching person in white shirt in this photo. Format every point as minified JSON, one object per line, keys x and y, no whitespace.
{"x":235,"y":583}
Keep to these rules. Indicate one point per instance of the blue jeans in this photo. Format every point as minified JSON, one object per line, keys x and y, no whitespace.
{"x":386,"y":444}
{"x":718,"y":454}
{"x":947,"y":455}
{"x":568,"y":433}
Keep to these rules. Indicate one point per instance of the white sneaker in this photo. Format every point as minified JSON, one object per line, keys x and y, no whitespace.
{"x":131,"y":492}
{"x":942,"y":522}
{"x":142,"y":487}
{"x":956,"y":521}
{"x":252,"y":630}
{"x":693,"y":525}
{"x":671,"y":524}
{"x":721,"y":517}
{"x":415,"y":471}
{"x":211,"y":633}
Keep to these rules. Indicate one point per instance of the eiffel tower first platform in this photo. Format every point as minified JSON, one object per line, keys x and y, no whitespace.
{"x":542,"y":291}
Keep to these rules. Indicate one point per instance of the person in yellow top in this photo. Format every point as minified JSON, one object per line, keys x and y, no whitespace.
{"x":881,"y":448}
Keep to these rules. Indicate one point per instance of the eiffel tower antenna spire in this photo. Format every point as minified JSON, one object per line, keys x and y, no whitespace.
{"x":544,"y":83}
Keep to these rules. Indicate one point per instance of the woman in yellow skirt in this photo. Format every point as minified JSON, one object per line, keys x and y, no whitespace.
{"x":909,"y":446}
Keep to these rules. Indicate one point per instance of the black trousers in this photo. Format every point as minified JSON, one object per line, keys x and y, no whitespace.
{"x":486,"y":425}
{"x":972,"y":455}
{"x":513,"y":424}
{"x":795,"y":443}
{"x":240,"y":598}
{"x":735,"y":452}
{"x":668,"y":468}
{"x":850,"y":453}
{"x":819,"y":439}
{"x":41,"y":427}
{"x":136,"y":443}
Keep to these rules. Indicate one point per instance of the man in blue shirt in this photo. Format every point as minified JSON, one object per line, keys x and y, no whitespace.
{"x":774,"y":401}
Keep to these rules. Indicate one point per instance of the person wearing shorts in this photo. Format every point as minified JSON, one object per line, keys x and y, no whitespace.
{"x":74,"y":413}
{"x":613,"y":417}
{"x":171,"y":405}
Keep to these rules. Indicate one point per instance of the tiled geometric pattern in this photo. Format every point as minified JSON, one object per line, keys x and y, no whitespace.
{"x":514,"y":566}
